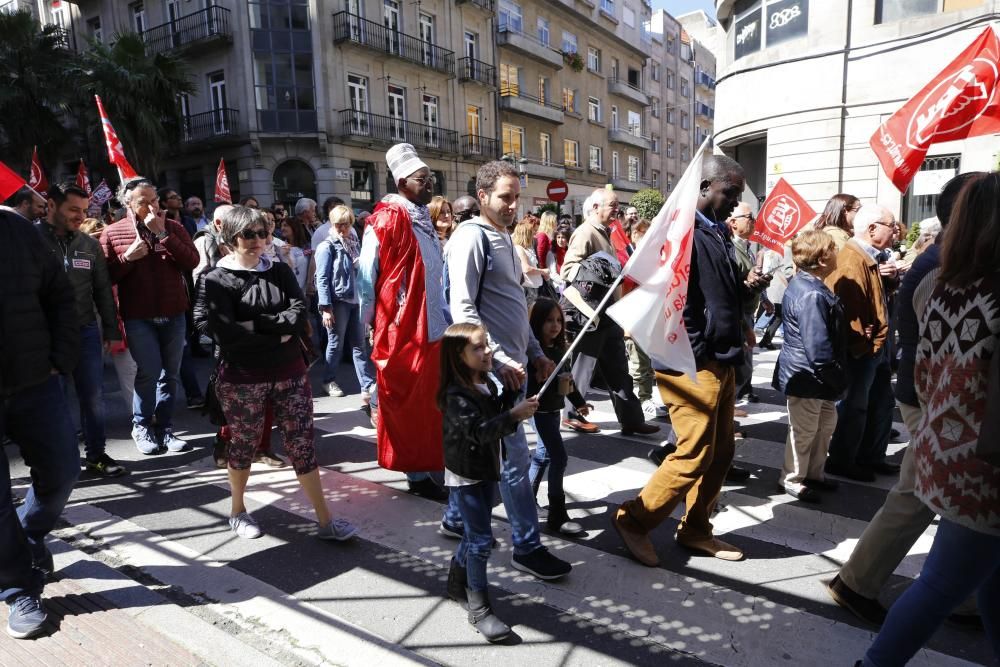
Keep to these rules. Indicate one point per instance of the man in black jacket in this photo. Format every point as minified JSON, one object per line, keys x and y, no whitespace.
{"x":39,"y":339}
{"x":701,"y":412}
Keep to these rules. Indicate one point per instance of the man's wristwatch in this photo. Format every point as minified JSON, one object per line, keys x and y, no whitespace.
{"x":162,"y":235}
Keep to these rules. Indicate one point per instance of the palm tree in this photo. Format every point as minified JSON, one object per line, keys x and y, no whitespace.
{"x":140,"y":92}
{"x":34,"y":89}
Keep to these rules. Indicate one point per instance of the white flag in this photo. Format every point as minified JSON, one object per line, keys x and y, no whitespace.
{"x":653,"y":313}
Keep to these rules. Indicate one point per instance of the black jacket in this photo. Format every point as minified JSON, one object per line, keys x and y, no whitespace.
{"x":38,"y":321}
{"x":908,"y":324}
{"x":713,"y":312}
{"x":270,"y":299}
{"x":813,"y":358}
{"x":474,"y":425}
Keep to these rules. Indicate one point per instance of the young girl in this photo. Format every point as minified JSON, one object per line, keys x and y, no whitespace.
{"x":475,"y":420}
{"x":546,"y":321}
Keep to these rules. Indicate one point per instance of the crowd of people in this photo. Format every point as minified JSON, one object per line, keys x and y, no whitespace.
{"x":456,"y":313}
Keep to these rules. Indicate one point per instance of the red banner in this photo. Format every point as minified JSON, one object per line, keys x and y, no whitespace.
{"x":82,"y":178}
{"x":222,"y":195}
{"x":781,"y":217}
{"x":10,"y":182}
{"x":37,"y":178}
{"x":116,"y":153}
{"x":960,"y":102}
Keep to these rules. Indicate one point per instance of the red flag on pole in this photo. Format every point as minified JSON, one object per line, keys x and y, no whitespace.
{"x":116,"y":153}
{"x":37,"y":178}
{"x":958,"y":103}
{"x":781,"y":217}
{"x":10,"y":182}
{"x":222,"y":195}
{"x":82,"y":179}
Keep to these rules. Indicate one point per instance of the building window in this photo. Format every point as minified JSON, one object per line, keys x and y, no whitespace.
{"x":509,"y":80}
{"x":284,"y":90}
{"x":762,"y":23}
{"x":543,"y":89}
{"x":138,"y":17}
{"x":685,"y":121}
{"x":511,"y":17}
{"x":628,"y":16}
{"x":685,"y":153}
{"x":635,"y":123}
{"x":608,"y":6}
{"x":656,"y":144}
{"x":614,"y":164}
{"x":670,"y":47}
{"x":357,"y":97}
{"x":614,"y":116}
{"x":571,"y":153}
{"x":427,"y":39}
{"x":655,"y":110}
{"x":670,"y":182}
{"x":569,"y":100}
{"x":633,"y":168}
{"x":654,"y":72}
{"x":594,"y":59}
{"x":594,"y":109}
{"x":596,"y":158}
{"x":568,"y":42}
{"x":95,"y":30}
{"x":545,"y":145}
{"x":897,"y":10}
{"x":685,"y":87}
{"x":670,"y":149}
{"x":671,"y":80}
{"x":513,"y":140}
{"x":429,"y":103}
{"x":543,"y":31}
{"x":362,"y":180}
{"x":670,"y":116}
{"x":473,"y":126}
{"x":396,"y":97}
{"x":655,"y":178}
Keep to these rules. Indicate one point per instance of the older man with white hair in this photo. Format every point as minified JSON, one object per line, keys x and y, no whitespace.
{"x":864,"y":416}
{"x":305,"y":211}
{"x":603,"y":347}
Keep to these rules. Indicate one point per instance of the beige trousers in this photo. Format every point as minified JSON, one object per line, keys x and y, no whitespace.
{"x":811,"y":422}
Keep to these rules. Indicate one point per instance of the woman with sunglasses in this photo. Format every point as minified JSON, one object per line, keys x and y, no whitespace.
{"x":255,"y":311}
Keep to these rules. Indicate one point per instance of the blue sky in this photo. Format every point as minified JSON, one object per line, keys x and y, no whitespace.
{"x":678,"y":7}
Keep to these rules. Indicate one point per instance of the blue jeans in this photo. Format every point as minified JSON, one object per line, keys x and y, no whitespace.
{"x":475,"y":503}
{"x":346,"y":331}
{"x":518,"y":497}
{"x":189,"y":380}
{"x":88,"y":380}
{"x":864,"y":416}
{"x":961,"y":562}
{"x":37,"y":419}
{"x":550,"y":452}
{"x":157,"y":346}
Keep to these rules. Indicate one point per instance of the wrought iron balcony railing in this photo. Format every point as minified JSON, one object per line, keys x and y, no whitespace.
{"x":474,"y":145}
{"x":352,"y":28}
{"x":470,"y":69}
{"x":215,"y":124}
{"x":209,"y":23}
{"x":390,"y":130}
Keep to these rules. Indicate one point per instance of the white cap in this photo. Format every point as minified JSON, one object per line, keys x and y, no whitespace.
{"x":403,"y":161}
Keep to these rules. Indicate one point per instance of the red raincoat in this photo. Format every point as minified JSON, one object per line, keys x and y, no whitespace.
{"x":407,"y":364}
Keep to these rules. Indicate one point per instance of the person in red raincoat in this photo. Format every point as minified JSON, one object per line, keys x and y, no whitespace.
{"x":402,"y":300}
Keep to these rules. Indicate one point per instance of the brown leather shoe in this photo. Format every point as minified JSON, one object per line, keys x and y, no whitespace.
{"x":713,"y":547}
{"x":739,"y":412}
{"x":638,"y":544}
{"x":581,"y":425}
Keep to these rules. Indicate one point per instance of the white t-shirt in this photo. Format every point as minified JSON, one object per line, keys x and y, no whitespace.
{"x":452,"y":479}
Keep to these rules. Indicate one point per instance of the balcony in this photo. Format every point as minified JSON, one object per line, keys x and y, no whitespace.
{"x":546,"y":169}
{"x":628,"y":91}
{"x":516,"y":101}
{"x":625,"y":184}
{"x":485,"y":5}
{"x":704,"y":111}
{"x":476,"y":71}
{"x":219,"y":126}
{"x":528,"y":46}
{"x":205,"y":27}
{"x":705,"y":80}
{"x":475,"y":146}
{"x":353,"y":29}
{"x":369,"y":129}
{"x":630,"y":137}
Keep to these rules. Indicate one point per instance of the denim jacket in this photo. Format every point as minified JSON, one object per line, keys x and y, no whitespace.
{"x":334,"y":273}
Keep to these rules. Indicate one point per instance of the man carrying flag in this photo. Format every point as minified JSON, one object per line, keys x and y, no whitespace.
{"x":700,"y":395}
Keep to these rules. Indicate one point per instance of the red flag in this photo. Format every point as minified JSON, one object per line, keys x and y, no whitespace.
{"x":781,"y":217}
{"x":959,"y":102}
{"x":620,"y":240}
{"x":222,"y":195}
{"x":116,"y":154}
{"x":82,"y":179}
{"x":10,"y":182}
{"x":37,"y":178}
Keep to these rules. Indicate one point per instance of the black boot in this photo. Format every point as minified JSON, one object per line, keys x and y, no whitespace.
{"x":482,"y":618}
{"x":456,"y":582}
{"x":558,"y":520}
{"x":536,"y":483}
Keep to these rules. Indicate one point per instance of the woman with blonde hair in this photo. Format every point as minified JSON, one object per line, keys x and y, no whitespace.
{"x":534,"y":277}
{"x":545,"y":236}
{"x":443,"y":218}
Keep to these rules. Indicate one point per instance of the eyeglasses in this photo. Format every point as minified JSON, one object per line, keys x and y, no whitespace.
{"x":748,"y":216}
{"x":251,"y":234}
{"x":423,"y":180}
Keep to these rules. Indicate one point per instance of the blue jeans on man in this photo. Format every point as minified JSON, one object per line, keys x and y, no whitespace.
{"x":37,"y":419}
{"x":88,"y":380}
{"x":157,"y":346}
{"x":864,"y":416}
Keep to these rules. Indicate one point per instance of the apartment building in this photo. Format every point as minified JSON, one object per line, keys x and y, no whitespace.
{"x":682,"y":84}
{"x":572,"y":95}
{"x":303,"y":97}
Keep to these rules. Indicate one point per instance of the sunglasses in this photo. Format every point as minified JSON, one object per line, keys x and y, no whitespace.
{"x":250,"y":234}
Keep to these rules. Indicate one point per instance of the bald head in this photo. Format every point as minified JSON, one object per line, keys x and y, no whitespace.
{"x":219,"y":213}
{"x":722,"y":184}
{"x":465,"y":208}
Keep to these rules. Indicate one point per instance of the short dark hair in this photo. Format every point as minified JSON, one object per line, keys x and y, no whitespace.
{"x":949,"y":193}
{"x":719,"y":168}
{"x":25,"y":194}
{"x":491,"y":172}
{"x":59,"y":192}
{"x":164,"y":192}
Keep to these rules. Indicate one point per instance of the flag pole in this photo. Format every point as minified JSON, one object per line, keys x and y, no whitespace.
{"x":600,"y":306}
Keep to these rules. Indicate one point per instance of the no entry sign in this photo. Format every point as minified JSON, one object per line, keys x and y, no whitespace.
{"x":557,"y":190}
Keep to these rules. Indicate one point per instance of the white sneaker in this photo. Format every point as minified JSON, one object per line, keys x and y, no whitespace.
{"x":571,"y":528}
{"x":244,"y":526}
{"x":649,"y":409}
{"x":333,"y":390}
